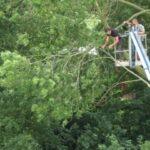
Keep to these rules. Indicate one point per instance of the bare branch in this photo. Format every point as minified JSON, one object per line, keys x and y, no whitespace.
{"x":135,"y":15}
{"x":102,"y":100}
{"x":136,"y":75}
{"x":131,"y":4}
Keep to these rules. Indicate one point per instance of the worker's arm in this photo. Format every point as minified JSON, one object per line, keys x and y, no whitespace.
{"x":127,"y":22}
{"x":116,"y":41}
{"x":106,"y":42}
{"x":127,"y":25}
{"x":142,"y":32}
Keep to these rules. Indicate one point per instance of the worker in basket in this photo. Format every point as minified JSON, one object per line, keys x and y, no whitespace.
{"x":112,"y":33}
{"x":135,"y":26}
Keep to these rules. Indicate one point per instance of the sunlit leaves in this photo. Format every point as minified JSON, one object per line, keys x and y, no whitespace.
{"x":21,"y":141}
{"x":92,"y":22}
{"x":47,"y":86}
{"x":23,"y":39}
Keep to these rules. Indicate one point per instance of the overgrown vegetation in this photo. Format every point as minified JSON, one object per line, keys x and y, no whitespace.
{"x":53,"y":97}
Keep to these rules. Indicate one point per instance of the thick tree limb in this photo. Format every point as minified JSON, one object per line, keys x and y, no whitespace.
{"x":136,"y":75}
{"x":131,"y":4}
{"x":134,"y":16}
{"x":103,"y":100}
{"x":142,"y":10}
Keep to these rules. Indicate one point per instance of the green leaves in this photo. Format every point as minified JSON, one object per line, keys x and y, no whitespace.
{"x":40,"y":111}
{"x":22,"y":141}
{"x":145,"y":145}
{"x":51,"y":95}
{"x":12,"y":71}
{"x":37,"y":2}
{"x":92,"y":22}
{"x":2,"y":15}
{"x":23,"y":39}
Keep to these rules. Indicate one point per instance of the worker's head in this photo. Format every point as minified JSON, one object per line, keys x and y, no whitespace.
{"x":135,"y":21}
{"x":108,"y":31}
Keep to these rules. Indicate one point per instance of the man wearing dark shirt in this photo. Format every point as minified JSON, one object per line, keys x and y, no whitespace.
{"x":114,"y":34}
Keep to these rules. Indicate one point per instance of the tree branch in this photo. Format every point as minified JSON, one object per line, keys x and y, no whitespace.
{"x":136,"y":75}
{"x":135,"y":15}
{"x":102,"y":100}
{"x":131,"y":4}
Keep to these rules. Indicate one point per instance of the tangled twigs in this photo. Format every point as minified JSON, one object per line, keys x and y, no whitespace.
{"x":103,"y":99}
{"x":130,"y":71}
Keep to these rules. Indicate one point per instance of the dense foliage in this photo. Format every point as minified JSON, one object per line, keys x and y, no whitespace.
{"x":53,"y":97}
